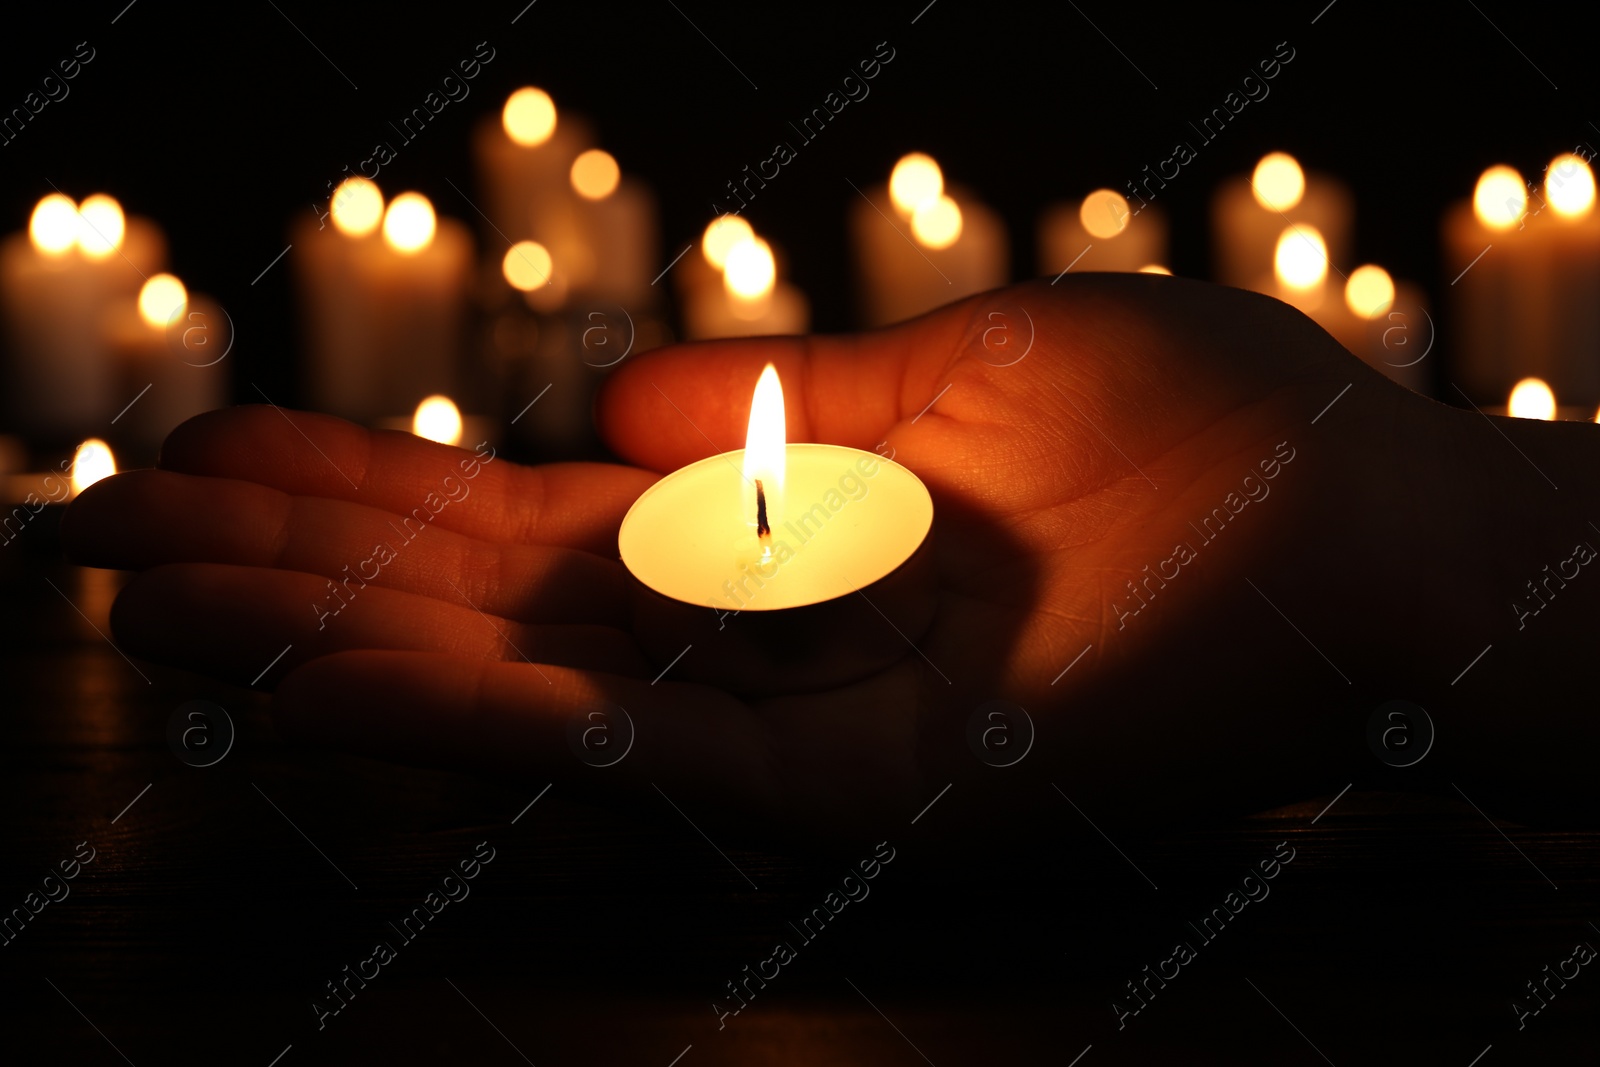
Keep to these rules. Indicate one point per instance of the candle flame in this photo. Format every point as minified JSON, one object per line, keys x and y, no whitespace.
{"x":1278,"y":182}
{"x":53,"y":228}
{"x":529,"y":117}
{"x":91,"y":462}
{"x":161,"y":299}
{"x":437,"y":419}
{"x":764,"y":450}
{"x":1531,"y":398}
{"x":1499,"y":198}
{"x":357,"y":207}
{"x":937,"y":225}
{"x":595,"y":174}
{"x":916,"y":181}
{"x":102,"y":226}
{"x":722,"y":234}
{"x":1569,"y":186}
{"x":409,"y":224}
{"x":1104,"y":213}
{"x":1369,"y":291}
{"x":1301,"y":259}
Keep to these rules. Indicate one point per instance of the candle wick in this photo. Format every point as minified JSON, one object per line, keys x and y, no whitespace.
{"x":763,"y":530}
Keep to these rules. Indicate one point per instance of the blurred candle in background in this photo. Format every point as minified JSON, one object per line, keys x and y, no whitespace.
{"x":1564,"y":301}
{"x":752,"y":300}
{"x":92,"y":462}
{"x":384,"y":302}
{"x":620,"y":246}
{"x":1383,"y":321}
{"x":524,"y":156}
{"x":1102,"y":233}
{"x":919,"y":245}
{"x":437,"y":418}
{"x":55,"y":281}
{"x":167,"y":347}
{"x":1531,"y":398}
{"x":1300,"y":268}
{"x":694,"y":273}
{"x":1249,"y":213}
{"x":1489,"y":280}
{"x":529,"y":268}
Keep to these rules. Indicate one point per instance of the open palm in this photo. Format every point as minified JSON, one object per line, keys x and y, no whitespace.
{"x":1130,"y":494}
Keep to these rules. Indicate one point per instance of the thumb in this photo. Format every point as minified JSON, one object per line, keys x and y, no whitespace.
{"x":685,"y":402}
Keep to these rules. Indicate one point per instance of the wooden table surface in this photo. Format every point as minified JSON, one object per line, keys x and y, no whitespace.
{"x":220,"y":899}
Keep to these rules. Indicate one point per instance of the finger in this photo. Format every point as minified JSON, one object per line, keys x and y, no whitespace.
{"x":578,"y":505}
{"x":147,"y":518}
{"x":231,"y":621}
{"x":690,"y":741}
{"x":683,"y":403}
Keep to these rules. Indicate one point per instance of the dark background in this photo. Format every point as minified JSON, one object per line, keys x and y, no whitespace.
{"x":1400,"y":933}
{"x":222,"y":123}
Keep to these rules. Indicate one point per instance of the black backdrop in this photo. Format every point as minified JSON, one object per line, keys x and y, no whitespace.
{"x":222,"y":122}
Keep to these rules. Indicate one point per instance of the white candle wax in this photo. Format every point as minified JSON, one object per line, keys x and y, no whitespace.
{"x":712,"y":312}
{"x":176,"y":370}
{"x":526,"y":191}
{"x":1124,"y":238}
{"x":384,"y":328}
{"x":903,"y":274}
{"x":849,"y":518}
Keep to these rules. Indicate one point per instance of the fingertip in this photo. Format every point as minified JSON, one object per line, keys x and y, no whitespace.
{"x":199,"y":434}
{"x":85,"y":531}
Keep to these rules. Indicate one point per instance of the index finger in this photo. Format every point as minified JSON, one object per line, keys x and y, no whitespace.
{"x":574,"y":505}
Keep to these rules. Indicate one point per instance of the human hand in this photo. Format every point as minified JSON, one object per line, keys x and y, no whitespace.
{"x":1237,"y":676}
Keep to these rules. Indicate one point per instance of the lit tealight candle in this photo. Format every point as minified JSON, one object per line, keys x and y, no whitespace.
{"x":788,"y":533}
